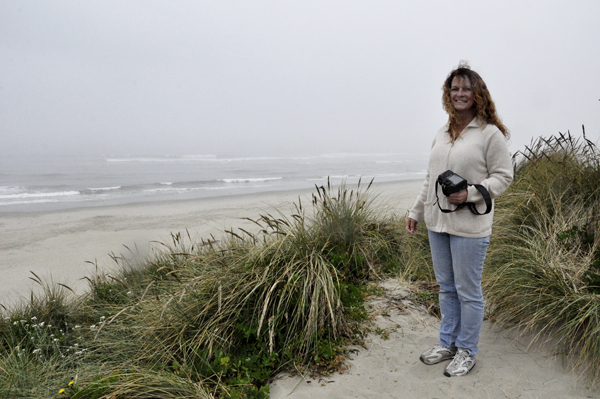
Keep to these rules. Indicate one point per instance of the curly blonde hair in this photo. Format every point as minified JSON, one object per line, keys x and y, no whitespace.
{"x":485,"y":109}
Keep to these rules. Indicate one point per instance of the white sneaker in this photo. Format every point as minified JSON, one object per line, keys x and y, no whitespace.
{"x":437,"y":354}
{"x":462,"y":363}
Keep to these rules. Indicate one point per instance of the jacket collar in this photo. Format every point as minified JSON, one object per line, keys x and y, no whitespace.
{"x":476,"y":122}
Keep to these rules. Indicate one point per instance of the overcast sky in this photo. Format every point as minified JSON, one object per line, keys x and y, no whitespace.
{"x":284,"y":77}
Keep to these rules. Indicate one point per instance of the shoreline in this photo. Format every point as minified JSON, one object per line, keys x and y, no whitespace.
{"x":62,"y":245}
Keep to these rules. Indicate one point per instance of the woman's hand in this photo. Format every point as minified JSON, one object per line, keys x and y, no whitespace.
{"x":411,"y":225}
{"x":458,"y":198}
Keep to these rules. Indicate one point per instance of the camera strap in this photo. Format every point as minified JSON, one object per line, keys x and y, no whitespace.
{"x":482,"y":190}
{"x":486,"y":197}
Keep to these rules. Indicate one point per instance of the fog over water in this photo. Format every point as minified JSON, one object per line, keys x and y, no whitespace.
{"x":283,"y":78}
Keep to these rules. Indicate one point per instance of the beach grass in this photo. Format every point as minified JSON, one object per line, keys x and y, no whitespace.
{"x":542,"y":274}
{"x":215,"y":318}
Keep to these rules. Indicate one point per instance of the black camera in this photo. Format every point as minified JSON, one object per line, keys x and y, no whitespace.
{"x":451,"y":182}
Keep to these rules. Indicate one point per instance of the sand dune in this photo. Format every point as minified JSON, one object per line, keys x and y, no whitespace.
{"x":56,"y":245}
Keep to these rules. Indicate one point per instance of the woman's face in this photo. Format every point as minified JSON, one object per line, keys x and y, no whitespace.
{"x":461,"y":94}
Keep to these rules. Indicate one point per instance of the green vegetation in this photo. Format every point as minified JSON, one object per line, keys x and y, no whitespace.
{"x":218,"y":319}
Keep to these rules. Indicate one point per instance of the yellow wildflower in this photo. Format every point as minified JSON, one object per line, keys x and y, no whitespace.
{"x":62,"y":390}
{"x":71,"y":383}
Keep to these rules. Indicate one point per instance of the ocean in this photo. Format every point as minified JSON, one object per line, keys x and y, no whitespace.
{"x":62,"y":182}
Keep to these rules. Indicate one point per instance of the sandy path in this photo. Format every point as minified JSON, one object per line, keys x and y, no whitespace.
{"x":390,"y":368}
{"x":56,"y":245}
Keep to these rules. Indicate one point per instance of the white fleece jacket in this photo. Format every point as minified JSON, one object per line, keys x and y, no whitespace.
{"x":480,"y":155}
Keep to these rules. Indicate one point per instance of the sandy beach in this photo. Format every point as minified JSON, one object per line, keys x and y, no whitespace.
{"x":58,"y":246}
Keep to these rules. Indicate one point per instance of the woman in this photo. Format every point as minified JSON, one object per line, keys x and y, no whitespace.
{"x":473,"y":145}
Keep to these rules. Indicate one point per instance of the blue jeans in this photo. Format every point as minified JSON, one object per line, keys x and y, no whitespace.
{"x":458,"y":265}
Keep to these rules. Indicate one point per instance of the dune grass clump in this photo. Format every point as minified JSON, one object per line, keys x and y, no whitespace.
{"x":286,"y":295}
{"x":212,"y":318}
{"x":543,"y":268}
